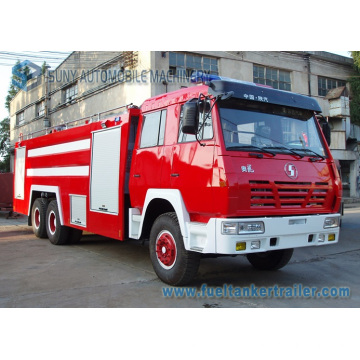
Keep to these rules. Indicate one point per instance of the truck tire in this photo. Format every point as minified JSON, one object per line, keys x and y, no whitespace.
{"x":38,"y":218}
{"x":172,"y":263}
{"x":270,"y":260}
{"x":57,"y":233}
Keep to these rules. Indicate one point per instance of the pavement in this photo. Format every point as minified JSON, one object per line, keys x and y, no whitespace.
{"x":351,"y":202}
{"x":14,"y":219}
{"x":104,"y":273}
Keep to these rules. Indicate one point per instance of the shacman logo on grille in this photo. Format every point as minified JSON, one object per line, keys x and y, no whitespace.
{"x":291,"y":171}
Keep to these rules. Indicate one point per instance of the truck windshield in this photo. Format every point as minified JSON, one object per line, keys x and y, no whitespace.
{"x":270,"y":128}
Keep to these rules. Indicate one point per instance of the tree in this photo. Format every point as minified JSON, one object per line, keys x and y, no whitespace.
{"x":4,"y":145}
{"x":356,"y":56}
{"x":5,"y":124}
{"x":13,"y":90}
{"x":44,"y":66}
{"x":355,"y":89}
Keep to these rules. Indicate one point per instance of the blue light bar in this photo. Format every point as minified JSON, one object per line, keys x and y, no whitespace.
{"x":200,"y":77}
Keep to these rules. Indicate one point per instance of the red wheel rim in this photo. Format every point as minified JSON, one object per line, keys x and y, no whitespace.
{"x":52,"y":222}
{"x":166,"y":250}
{"x":37,"y":218}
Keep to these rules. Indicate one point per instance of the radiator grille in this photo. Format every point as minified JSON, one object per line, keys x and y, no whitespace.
{"x":283,"y":194}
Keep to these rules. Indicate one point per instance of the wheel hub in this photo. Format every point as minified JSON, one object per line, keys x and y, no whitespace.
{"x":166,"y":249}
{"x":52,"y":222}
{"x":37,"y":218}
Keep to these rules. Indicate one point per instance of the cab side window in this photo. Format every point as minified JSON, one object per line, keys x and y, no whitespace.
{"x":153,"y":130}
{"x":206,"y":130}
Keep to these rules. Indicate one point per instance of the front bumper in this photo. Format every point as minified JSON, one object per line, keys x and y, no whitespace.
{"x":280,"y":233}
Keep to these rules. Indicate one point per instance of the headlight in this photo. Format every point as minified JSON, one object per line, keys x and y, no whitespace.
{"x":229,"y":228}
{"x":242,"y":228}
{"x":251,"y":227}
{"x":331,"y":222}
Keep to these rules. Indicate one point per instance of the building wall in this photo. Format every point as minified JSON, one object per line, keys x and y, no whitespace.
{"x":95,"y":95}
{"x":239,"y":65}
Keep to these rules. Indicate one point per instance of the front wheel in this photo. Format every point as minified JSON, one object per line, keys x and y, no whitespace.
{"x":172,"y":263}
{"x":270,"y":260}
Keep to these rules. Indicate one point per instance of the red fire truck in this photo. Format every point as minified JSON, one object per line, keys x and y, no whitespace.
{"x":222,"y":168}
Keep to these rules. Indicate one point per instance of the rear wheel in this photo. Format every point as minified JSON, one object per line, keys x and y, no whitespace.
{"x":172,"y":263}
{"x":38,"y":218}
{"x":57,"y":233}
{"x":270,"y":260}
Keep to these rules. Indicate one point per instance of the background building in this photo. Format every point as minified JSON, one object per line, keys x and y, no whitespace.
{"x":97,"y":84}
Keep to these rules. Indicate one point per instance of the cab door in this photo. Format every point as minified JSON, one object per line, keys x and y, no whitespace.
{"x":192,"y":167}
{"x":148,"y":157}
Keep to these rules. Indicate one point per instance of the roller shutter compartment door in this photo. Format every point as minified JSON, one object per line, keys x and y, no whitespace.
{"x":104,"y":193}
{"x":20,"y":173}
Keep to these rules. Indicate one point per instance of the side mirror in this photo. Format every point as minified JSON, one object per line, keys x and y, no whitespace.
{"x":204,"y":106}
{"x":190,"y":123}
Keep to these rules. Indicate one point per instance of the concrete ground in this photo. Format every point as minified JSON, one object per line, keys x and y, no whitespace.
{"x":104,"y":273}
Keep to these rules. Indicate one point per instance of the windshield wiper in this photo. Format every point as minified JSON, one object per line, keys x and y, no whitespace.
{"x":314,"y":155}
{"x":252,"y":147}
{"x":285,"y":148}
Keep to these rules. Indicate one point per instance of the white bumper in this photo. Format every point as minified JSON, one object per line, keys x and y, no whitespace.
{"x":279,"y":233}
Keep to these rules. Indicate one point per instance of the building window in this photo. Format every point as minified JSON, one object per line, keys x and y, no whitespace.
{"x":183,"y":65}
{"x":40,"y":109}
{"x":326,"y":84}
{"x":20,"y":118}
{"x":276,"y":78}
{"x":71,"y":93}
{"x":111,"y":73}
{"x":153,"y":130}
